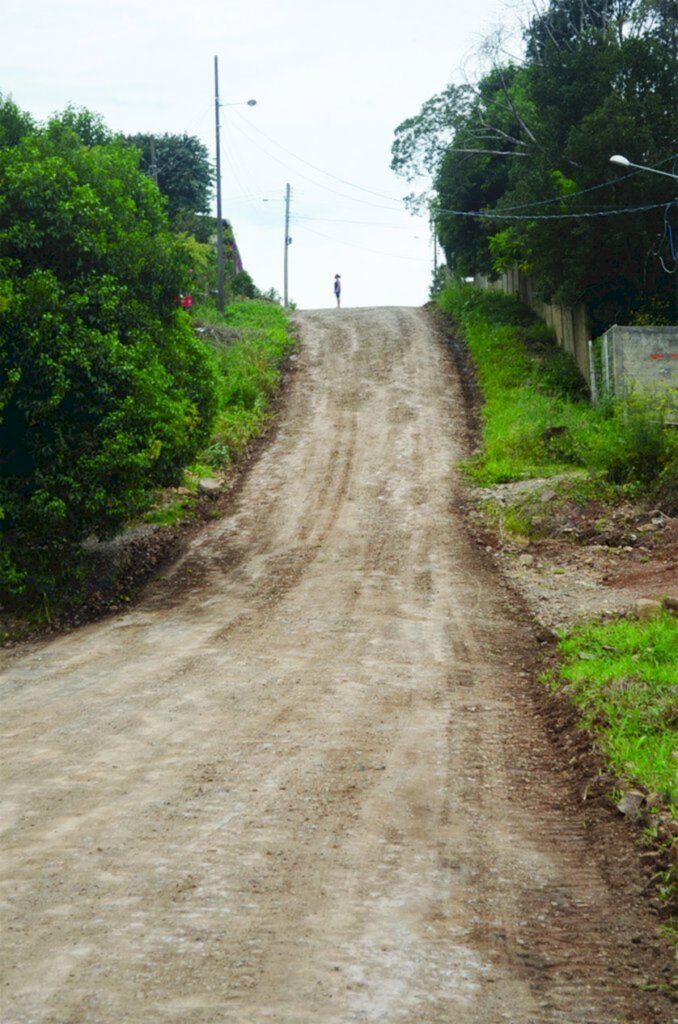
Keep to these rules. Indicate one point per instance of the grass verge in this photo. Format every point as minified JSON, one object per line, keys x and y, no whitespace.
{"x":537,"y":421}
{"x":623,"y":677}
{"x":250,"y":341}
{"x":611,"y":462}
{"x":260,"y":338}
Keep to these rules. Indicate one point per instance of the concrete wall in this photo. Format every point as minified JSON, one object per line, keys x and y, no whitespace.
{"x":643,"y":359}
{"x":638,"y":358}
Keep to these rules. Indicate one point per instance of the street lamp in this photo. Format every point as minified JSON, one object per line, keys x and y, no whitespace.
{"x":220,"y":227}
{"x":625,"y":162}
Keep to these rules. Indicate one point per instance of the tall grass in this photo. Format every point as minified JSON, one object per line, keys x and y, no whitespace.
{"x":537,"y":420}
{"x":259,"y":339}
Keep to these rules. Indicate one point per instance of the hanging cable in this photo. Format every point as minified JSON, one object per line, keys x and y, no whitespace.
{"x":328,"y":174}
{"x":492,"y":215}
{"x":363,"y":248}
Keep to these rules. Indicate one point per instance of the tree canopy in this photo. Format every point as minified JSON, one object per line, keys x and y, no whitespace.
{"x":520,"y":161}
{"x":181,"y":167}
{"x":105,"y":393}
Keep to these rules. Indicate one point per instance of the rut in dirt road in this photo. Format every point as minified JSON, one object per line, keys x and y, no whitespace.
{"x":303,"y":780}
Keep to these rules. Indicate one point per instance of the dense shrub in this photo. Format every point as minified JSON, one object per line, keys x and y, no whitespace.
{"x":104,"y":391}
{"x":634,"y":445}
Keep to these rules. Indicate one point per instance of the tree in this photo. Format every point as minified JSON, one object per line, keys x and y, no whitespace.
{"x":243,"y":286}
{"x":474,"y":174}
{"x":105,"y":393}
{"x":421,"y":141}
{"x":181,"y":167}
{"x":525,"y":177}
{"x":605,"y":89}
{"x":14,"y":123}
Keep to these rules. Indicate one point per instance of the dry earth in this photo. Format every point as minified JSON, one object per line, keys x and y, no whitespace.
{"x":308,"y":778}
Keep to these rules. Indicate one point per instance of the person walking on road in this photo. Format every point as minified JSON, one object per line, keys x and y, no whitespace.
{"x":337,"y":288}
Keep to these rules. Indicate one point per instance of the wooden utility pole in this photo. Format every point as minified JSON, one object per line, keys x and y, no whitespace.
{"x":287,"y":240}
{"x":220,"y":226}
{"x":154,"y":161}
{"x":435,"y":247}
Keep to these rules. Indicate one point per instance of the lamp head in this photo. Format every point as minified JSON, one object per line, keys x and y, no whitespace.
{"x":622,"y":160}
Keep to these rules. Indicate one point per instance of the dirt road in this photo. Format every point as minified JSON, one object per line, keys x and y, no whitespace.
{"x":303,"y":781}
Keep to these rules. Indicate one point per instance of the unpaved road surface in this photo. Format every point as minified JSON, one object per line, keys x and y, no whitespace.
{"x":303,"y":781}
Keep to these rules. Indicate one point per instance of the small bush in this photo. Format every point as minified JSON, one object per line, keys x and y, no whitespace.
{"x":633,"y":445}
{"x":468,"y":301}
{"x":559,"y":375}
{"x":539,"y":336}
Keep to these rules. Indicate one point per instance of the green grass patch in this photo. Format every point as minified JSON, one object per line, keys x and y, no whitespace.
{"x":172,"y":509}
{"x":511,"y":519}
{"x":623,"y":676}
{"x":537,"y":421}
{"x":249,"y":368}
{"x":249,"y":342}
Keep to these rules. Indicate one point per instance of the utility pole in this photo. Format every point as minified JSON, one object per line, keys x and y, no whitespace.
{"x":220,"y":226}
{"x":154,"y":161}
{"x":435,"y":246}
{"x":287,"y":239}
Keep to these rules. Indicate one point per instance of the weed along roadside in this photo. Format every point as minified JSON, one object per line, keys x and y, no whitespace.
{"x":251,"y":343}
{"x":577,"y":506}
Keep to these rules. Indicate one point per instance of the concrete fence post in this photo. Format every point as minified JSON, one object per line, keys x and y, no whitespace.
{"x":593,"y":382}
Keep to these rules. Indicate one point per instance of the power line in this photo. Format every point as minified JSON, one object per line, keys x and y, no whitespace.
{"x":363,"y":248}
{"x":492,"y":215}
{"x":335,"y":177}
{"x":326,"y":188}
{"x":580,"y":192}
{"x":363,"y":223}
{"x":508,"y":209}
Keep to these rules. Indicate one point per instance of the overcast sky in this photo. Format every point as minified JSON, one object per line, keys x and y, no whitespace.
{"x":332,"y":81}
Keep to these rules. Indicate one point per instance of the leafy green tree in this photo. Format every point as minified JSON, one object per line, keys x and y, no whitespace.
{"x":105,"y":393}
{"x":421,"y":142}
{"x":491,"y":136}
{"x":604,"y":90}
{"x":14,"y":123}
{"x":86,"y":124}
{"x":531,"y":146}
{"x":243,"y":286}
{"x":181,"y":166}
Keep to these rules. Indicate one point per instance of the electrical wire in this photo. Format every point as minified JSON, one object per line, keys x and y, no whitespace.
{"x":508,"y":209}
{"x":581,"y":192}
{"x":492,"y":215}
{"x":363,"y":248}
{"x":326,"y":188}
{"x":668,"y":237}
{"x":335,"y":177}
{"x":362,"y":223}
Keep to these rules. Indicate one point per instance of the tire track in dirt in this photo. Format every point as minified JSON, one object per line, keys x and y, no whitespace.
{"x":311,"y":785}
